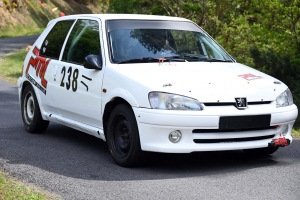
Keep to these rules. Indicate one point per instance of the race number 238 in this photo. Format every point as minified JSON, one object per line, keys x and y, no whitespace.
{"x":71,"y":78}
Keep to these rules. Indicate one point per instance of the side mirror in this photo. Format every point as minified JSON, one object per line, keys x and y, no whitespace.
{"x":93,"y":62}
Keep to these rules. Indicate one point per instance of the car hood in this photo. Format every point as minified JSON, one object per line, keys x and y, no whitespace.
{"x":205,"y":81}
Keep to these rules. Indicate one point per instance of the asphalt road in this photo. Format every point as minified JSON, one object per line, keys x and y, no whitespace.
{"x":74,"y":165}
{"x":8,"y":45}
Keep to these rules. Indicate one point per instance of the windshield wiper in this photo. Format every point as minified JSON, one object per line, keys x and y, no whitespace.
{"x":192,"y":57}
{"x":151,"y":59}
{"x":184,"y":58}
{"x":216,"y":60}
{"x":139,"y":60}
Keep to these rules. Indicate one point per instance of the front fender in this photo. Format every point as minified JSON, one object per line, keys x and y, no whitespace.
{"x":119,"y":92}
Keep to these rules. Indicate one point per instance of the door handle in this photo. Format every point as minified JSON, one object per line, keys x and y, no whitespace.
{"x":54,"y":70}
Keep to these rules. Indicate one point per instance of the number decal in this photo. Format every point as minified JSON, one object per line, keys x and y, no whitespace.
{"x":63,"y":70}
{"x":68,"y":84}
{"x":74,"y":81}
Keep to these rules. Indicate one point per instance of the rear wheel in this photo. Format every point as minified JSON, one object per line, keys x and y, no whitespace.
{"x":31,"y":114}
{"x":123,"y":137}
{"x":262,"y":151}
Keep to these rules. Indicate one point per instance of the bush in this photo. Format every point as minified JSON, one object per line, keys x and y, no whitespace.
{"x":282,"y":67}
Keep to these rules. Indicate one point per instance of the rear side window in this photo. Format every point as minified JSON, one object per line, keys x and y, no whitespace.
{"x":54,"y":41}
{"x":83,"y":41}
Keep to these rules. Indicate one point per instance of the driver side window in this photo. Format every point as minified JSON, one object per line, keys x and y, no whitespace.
{"x":186,"y":42}
{"x":83,"y":41}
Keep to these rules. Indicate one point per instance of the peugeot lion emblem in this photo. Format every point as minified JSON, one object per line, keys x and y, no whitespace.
{"x":241,"y":102}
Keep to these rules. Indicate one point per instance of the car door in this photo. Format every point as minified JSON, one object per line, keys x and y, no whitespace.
{"x":78,"y":89}
{"x":45,"y":62}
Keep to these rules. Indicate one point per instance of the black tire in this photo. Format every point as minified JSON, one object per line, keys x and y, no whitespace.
{"x":31,"y":114}
{"x":123,"y":137}
{"x":261,"y":151}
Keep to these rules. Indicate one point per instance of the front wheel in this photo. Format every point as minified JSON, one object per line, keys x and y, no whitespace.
{"x":261,"y":151}
{"x":123,"y":137}
{"x":31,"y":114}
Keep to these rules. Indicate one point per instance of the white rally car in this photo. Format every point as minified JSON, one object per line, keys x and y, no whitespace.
{"x":151,"y":83}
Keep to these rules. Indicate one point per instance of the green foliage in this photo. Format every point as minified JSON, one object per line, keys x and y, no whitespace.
{"x":134,"y":6}
{"x":7,"y":5}
{"x":11,"y":189}
{"x":237,"y":25}
{"x":275,"y":64}
{"x":296,"y":133}
{"x":260,"y":33}
{"x":282,"y":67}
{"x":30,"y":17}
{"x":18,"y":30}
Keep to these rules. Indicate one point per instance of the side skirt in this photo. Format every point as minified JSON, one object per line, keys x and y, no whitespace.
{"x":91,"y":130}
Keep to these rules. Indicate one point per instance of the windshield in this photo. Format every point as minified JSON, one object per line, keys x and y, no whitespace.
{"x":128,"y":45}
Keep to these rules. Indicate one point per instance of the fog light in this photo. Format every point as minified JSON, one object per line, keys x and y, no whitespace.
{"x":284,"y":130}
{"x":175,"y":136}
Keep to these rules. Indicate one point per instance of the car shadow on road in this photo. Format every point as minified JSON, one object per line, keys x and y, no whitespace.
{"x":70,"y":153}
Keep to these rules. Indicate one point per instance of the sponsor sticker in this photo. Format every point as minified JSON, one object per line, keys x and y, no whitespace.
{"x":162,"y":63}
{"x":249,"y":77}
{"x":35,"y":83}
{"x":40,"y":64}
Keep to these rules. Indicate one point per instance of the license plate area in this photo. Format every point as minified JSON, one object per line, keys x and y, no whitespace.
{"x":242,"y":122}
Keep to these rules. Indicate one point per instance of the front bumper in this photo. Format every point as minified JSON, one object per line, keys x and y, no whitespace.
{"x":156,"y":125}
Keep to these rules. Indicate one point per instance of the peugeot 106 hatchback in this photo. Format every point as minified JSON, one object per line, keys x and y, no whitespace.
{"x":151,"y":84}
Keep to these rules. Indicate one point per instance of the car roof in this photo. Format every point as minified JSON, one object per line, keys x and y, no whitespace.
{"x":122,"y":17}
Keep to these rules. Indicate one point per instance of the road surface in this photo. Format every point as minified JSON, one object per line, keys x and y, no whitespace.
{"x":8,"y":45}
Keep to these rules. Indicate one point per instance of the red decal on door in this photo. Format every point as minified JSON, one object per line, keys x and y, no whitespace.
{"x":40,"y":64}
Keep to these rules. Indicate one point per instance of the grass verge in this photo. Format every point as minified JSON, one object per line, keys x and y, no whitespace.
{"x":11,"y":65}
{"x":296,"y":133}
{"x":19,"y":31}
{"x":11,"y":189}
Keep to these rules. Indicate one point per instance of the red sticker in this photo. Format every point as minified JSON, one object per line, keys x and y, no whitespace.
{"x":249,"y":77}
{"x":40,"y":64}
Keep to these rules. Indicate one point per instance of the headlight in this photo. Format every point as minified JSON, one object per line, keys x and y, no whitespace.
{"x":166,"y":101}
{"x":284,"y":99}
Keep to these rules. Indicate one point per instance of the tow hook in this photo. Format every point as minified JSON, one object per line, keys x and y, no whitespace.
{"x":282,"y":142}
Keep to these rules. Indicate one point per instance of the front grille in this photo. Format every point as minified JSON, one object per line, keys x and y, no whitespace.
{"x":259,"y":102}
{"x":234,"y":104}
{"x":227,"y":140}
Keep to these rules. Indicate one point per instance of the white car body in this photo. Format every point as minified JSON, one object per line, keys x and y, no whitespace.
{"x":208,"y":82}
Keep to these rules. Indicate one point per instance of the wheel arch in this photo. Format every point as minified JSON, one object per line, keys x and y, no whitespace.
{"x":112,"y":99}
{"x":33,"y":122}
{"x":24,"y":85}
{"x":108,"y":109}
